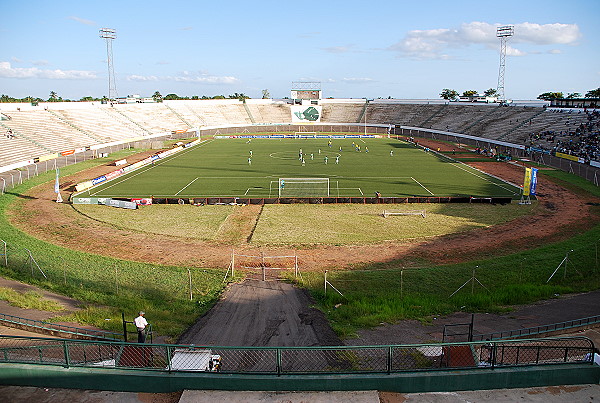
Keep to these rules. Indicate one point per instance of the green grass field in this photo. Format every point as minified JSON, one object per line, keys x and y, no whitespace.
{"x":243,"y":168}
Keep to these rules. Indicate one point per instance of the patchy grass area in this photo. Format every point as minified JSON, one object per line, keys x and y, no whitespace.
{"x":364,"y":223}
{"x":290,"y":224}
{"x":29,"y":300}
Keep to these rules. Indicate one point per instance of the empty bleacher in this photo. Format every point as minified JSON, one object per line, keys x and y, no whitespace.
{"x":39,"y":131}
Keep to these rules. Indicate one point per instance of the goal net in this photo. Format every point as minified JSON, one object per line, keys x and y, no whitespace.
{"x":303,"y":187}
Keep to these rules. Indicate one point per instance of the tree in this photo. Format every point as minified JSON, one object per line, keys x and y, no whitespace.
{"x":490,"y":92}
{"x":170,"y":97}
{"x":573,"y":95}
{"x":593,"y":93}
{"x":265,"y":94}
{"x":53,"y":97}
{"x":469,"y":93}
{"x":157,"y":97}
{"x":449,"y":94}
{"x":547,"y":96}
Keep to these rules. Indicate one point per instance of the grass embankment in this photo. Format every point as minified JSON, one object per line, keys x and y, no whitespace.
{"x":385,"y":293}
{"x":105,"y":285}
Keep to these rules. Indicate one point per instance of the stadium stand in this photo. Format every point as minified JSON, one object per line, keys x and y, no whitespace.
{"x":59,"y":127}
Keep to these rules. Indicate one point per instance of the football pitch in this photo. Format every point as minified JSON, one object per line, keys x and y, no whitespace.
{"x":355,"y":167}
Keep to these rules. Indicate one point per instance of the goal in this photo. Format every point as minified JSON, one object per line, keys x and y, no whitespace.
{"x":303,"y":187}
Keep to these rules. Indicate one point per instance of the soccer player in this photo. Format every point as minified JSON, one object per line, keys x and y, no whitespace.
{"x":366,"y":149}
{"x":249,"y":161}
{"x":251,"y":153}
{"x":329,"y":144}
{"x":340,"y":148}
{"x":337,"y":159}
{"x":391,"y":153}
{"x":326,"y":159}
{"x":312,"y":156}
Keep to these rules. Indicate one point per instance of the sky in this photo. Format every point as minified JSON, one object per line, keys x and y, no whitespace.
{"x":355,"y":49}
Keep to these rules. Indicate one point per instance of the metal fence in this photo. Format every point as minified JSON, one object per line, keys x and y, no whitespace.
{"x":296,"y":360}
{"x":576,"y":323}
{"x":10,"y":179}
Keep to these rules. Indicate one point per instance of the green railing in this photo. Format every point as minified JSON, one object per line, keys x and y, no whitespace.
{"x":35,"y":325}
{"x":529,"y":331}
{"x":296,"y":360}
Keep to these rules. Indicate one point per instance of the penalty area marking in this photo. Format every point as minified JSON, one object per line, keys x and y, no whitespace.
{"x":185,"y":187}
{"x":419,"y":183}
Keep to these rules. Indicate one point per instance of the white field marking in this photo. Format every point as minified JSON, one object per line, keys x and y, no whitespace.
{"x":186,"y":186}
{"x":484,"y":178}
{"x":480,"y":177}
{"x":422,"y":186}
{"x":152,"y":166}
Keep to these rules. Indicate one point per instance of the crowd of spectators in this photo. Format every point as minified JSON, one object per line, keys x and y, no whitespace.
{"x":582,"y":141}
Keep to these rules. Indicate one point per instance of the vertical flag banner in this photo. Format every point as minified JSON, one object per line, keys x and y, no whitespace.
{"x":57,"y":187}
{"x":533,"y":181}
{"x":527,"y":182}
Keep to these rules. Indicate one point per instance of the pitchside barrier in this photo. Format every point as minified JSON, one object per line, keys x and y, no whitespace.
{"x":200,"y":201}
{"x":319,"y":360}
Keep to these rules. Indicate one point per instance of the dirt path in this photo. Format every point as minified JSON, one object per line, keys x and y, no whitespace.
{"x":262,"y":313}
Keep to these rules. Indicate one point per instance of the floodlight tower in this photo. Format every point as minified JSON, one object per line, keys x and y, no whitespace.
{"x":503,"y":33}
{"x":109,"y":34}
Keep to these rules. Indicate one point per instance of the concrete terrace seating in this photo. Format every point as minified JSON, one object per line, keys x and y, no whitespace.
{"x":220,"y":113}
{"x":17,"y":149}
{"x":342,"y":112}
{"x":270,"y":113}
{"x":97,"y":123}
{"x":47,"y":130}
{"x":153,"y":117}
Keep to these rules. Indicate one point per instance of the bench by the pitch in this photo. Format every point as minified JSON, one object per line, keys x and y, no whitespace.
{"x":387,"y":213}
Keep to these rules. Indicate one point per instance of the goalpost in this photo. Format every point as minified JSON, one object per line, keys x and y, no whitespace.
{"x":263,"y":264}
{"x":303,"y":187}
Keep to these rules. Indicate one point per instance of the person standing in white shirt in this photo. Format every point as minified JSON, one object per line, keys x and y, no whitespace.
{"x":141,"y":323}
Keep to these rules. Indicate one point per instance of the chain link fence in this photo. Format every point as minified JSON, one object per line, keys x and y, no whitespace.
{"x":296,"y":360}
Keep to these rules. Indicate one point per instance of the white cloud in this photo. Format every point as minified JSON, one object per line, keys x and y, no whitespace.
{"x":186,"y":28}
{"x":555,"y":51}
{"x":83,"y":21}
{"x":135,"y":77}
{"x":434,"y":43}
{"x":339,"y":49}
{"x":40,"y":62}
{"x":7,"y":71}
{"x":16,"y":59}
{"x":188,"y":77}
{"x":357,"y":80}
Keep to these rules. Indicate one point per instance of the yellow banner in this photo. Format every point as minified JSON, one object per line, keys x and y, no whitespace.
{"x":527,"y":182}
{"x":48,"y":157}
{"x":568,"y":157}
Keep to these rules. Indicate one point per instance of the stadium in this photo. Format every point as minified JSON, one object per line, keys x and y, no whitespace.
{"x":306,"y":243}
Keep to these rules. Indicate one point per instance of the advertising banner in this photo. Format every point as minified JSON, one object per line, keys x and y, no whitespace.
{"x":533,"y":181}
{"x":527,"y":182}
{"x":568,"y":157}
